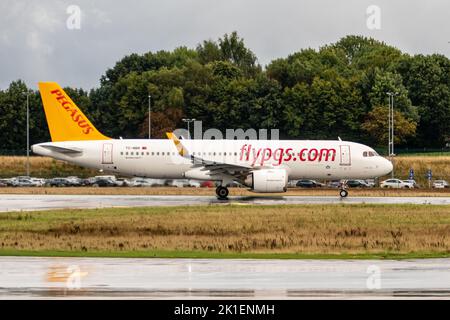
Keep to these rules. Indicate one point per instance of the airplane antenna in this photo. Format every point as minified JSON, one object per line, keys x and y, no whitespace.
{"x":339,"y":138}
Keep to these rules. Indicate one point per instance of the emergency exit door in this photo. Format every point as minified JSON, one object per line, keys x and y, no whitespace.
{"x":107,"y":154}
{"x":345,"y":156}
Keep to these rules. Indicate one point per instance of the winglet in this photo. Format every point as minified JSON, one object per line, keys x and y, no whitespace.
{"x":180,"y":147}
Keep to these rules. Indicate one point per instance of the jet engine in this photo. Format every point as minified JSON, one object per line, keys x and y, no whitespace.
{"x":267,"y":180}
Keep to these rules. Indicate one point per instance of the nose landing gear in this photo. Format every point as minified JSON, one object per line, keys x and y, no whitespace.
{"x":343,"y":193}
{"x":222,"y":193}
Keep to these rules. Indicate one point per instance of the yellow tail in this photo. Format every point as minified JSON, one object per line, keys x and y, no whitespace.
{"x":65,"y":120}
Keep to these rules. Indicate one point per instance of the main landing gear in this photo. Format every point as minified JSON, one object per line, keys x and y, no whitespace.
{"x":342,"y":192}
{"x":222,"y":193}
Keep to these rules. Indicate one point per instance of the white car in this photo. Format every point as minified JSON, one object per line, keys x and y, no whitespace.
{"x":396,"y":183}
{"x":413,"y":182}
{"x":440,"y":184}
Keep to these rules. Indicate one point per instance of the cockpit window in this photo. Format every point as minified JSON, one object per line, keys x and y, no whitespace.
{"x":369,"y":154}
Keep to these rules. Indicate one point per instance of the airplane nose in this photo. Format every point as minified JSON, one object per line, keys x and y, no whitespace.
{"x":387,"y":166}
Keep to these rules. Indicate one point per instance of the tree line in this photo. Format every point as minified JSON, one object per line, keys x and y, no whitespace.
{"x":337,"y":90}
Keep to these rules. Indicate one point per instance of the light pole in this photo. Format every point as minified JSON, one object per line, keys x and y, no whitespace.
{"x":391,"y":126}
{"x":149,"y":116}
{"x":188,"y":122}
{"x":28,"y":132}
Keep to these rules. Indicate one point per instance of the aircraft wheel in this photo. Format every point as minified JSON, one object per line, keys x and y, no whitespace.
{"x":222,"y":193}
{"x":343,"y":193}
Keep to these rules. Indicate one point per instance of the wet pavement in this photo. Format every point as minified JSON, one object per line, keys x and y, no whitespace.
{"x":11,"y":202}
{"x":93,"y":278}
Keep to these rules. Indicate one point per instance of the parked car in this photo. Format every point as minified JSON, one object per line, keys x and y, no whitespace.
{"x":195,"y":183}
{"x":413,"y":182}
{"x":207,"y":184}
{"x":141,"y":182}
{"x":26,"y":183}
{"x":39,"y":182}
{"x":121,"y":182}
{"x":309,"y":184}
{"x":335,"y":184}
{"x":75,"y":181}
{"x":370,"y":182}
{"x":10,"y":182}
{"x":58,"y":182}
{"x":357,"y":184}
{"x":396,"y":183}
{"x":440,"y":184}
{"x":104,"y":182}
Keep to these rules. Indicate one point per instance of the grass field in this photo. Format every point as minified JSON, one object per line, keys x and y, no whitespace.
{"x":233,"y":192}
{"x":47,"y":167}
{"x":306,"y":231}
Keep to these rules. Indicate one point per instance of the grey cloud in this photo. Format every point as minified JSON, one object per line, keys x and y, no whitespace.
{"x":36,"y":45}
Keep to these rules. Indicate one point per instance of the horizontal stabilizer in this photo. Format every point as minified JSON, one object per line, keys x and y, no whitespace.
{"x":61,"y":149}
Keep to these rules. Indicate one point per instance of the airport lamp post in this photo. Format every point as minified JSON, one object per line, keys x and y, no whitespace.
{"x":188,"y":122}
{"x":28,"y":132}
{"x":149,"y":116}
{"x":391,"y":127}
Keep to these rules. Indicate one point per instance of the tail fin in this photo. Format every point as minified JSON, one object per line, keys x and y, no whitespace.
{"x":65,"y":120}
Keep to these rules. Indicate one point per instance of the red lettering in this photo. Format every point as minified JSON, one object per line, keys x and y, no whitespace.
{"x":66,"y":103}
{"x":87,"y":130}
{"x":248,"y":152}
{"x":288,"y":153}
{"x":278,"y":156}
{"x":316,"y":153}
{"x":255,"y":156}
{"x":327,"y":154}
{"x":242,"y":152}
{"x":83,"y":124}
{"x":267,"y":154}
{"x":300,"y":155}
{"x":57,"y":92}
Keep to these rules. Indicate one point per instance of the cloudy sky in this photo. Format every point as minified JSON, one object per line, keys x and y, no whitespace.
{"x":37,"y":45}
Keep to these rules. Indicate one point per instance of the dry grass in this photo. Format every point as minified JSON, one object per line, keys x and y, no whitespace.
{"x":41,"y":167}
{"x":233,"y":192}
{"x":310,"y":229}
{"x":440,"y":165}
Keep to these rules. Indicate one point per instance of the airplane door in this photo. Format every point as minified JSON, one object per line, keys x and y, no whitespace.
{"x":107,"y":154}
{"x":345,"y":158}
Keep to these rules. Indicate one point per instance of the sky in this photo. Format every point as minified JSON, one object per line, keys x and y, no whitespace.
{"x":45,"y":41}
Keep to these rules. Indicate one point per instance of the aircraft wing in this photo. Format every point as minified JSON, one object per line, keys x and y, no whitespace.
{"x":213,"y":167}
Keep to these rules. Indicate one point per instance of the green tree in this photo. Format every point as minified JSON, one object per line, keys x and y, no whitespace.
{"x":376,"y":125}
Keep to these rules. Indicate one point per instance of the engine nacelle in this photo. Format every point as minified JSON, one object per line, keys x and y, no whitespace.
{"x":267,"y":180}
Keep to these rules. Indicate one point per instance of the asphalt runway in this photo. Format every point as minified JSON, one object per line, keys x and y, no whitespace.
{"x":91,"y":278}
{"x":11,"y":202}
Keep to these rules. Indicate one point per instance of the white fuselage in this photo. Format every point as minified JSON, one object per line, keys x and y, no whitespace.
{"x":302,"y":159}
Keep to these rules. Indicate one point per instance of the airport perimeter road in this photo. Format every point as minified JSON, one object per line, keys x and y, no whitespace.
{"x":33,"y":277}
{"x":11,"y":202}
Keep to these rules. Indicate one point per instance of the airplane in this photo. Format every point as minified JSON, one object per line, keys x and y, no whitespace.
{"x":263,"y":166}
